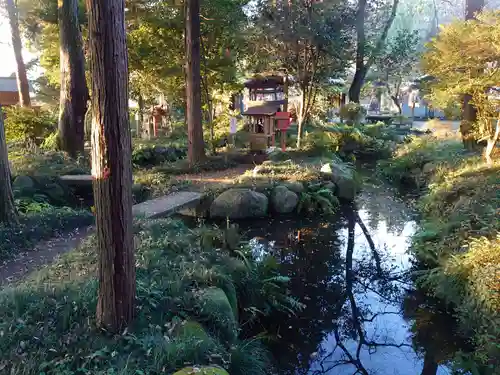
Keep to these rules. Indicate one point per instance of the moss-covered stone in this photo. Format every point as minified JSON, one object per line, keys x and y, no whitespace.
{"x":214,"y":307}
{"x":191,"y":330}
{"x":239,"y":204}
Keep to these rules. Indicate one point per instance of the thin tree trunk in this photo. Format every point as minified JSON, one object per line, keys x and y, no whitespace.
{"x":492,"y":141}
{"x":111,"y":163}
{"x":469,"y":112}
{"x":300,"y":117}
{"x":196,"y":147}
{"x":74,"y":92}
{"x":140,"y":124}
{"x":22,"y":77}
{"x":8,"y":213}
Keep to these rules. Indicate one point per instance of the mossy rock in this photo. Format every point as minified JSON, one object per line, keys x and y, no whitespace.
{"x":23,"y":182}
{"x":284,"y":201}
{"x":207,"y":370}
{"x":214,"y":306}
{"x":191,"y":330}
{"x":239,"y":204}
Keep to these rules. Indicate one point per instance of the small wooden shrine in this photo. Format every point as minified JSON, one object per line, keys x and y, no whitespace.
{"x":266,"y":97}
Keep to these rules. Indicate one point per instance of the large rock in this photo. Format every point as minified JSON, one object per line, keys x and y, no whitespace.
{"x":283,"y":200}
{"x":295,"y":186}
{"x":344,"y":178}
{"x":23,"y":182}
{"x":239,"y":204}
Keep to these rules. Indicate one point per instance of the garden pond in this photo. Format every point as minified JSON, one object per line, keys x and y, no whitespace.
{"x":353,"y":274}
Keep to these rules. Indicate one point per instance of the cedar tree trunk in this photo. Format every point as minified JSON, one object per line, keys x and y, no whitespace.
{"x":111,"y":163}
{"x":8,"y":213}
{"x":74,"y":92}
{"x":469,"y":112}
{"x":22,"y":77}
{"x":196,"y":147}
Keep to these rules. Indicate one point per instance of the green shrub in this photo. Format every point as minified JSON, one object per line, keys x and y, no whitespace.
{"x":407,"y":165}
{"x":457,"y":243}
{"x":52,"y":330}
{"x":49,"y":163}
{"x":148,"y":156}
{"x":51,"y":142}
{"x":28,"y":126}
{"x":352,"y":113}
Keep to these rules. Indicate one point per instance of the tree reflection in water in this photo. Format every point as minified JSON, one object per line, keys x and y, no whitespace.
{"x":353,"y":290}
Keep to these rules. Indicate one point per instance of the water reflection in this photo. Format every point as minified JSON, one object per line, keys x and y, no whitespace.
{"x":351,"y":272}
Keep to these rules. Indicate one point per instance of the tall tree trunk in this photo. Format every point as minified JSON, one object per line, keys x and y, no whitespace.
{"x":196,"y":147}
{"x":22,"y":77}
{"x":363,"y":65}
{"x":8,"y":213}
{"x":74,"y":92}
{"x":469,"y":112}
{"x":111,"y":163}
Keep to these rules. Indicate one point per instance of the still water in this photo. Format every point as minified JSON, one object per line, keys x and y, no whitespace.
{"x":362,"y":313}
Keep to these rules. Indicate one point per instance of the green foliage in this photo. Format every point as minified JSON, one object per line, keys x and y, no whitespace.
{"x":54,"y":327}
{"x":352,"y":113}
{"x":407,"y":165}
{"x":47,"y":164}
{"x":51,"y":142}
{"x":476,"y":75}
{"x":147,"y":156}
{"x":366,"y":142}
{"x":321,"y":201}
{"x":458,"y":241}
{"x":39,"y":221}
{"x":28,"y":126}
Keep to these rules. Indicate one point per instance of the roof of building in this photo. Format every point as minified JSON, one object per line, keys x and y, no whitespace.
{"x":8,"y":84}
{"x":263,"y":108}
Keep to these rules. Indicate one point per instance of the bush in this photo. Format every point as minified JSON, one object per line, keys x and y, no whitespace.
{"x":352,"y":113}
{"x":415,"y":162}
{"x":53,"y":330}
{"x":350,"y":142}
{"x":49,"y":163}
{"x":148,"y":156}
{"x":458,"y":240}
{"x":28,"y":126}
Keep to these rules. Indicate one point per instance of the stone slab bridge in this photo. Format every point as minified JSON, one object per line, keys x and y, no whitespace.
{"x":151,"y":209}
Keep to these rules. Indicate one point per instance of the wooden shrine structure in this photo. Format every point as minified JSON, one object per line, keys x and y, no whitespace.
{"x":266,"y":98}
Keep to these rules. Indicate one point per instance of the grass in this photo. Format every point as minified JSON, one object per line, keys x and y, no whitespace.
{"x":458,"y":243}
{"x":39,"y":222}
{"x":192,"y":295}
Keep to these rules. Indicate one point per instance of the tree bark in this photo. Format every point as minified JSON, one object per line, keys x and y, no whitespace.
{"x":111,"y":163}
{"x":8,"y":213}
{"x":362,"y":64}
{"x":22,"y":77}
{"x":140,"y":124}
{"x":469,"y":112}
{"x":74,"y":92}
{"x":196,"y":147}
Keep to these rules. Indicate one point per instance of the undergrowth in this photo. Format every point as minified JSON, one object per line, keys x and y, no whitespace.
{"x":458,"y":243}
{"x":37,"y":222}
{"x":194,"y":291}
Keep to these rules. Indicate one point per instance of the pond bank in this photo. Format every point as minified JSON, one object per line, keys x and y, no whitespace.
{"x":352,"y":272}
